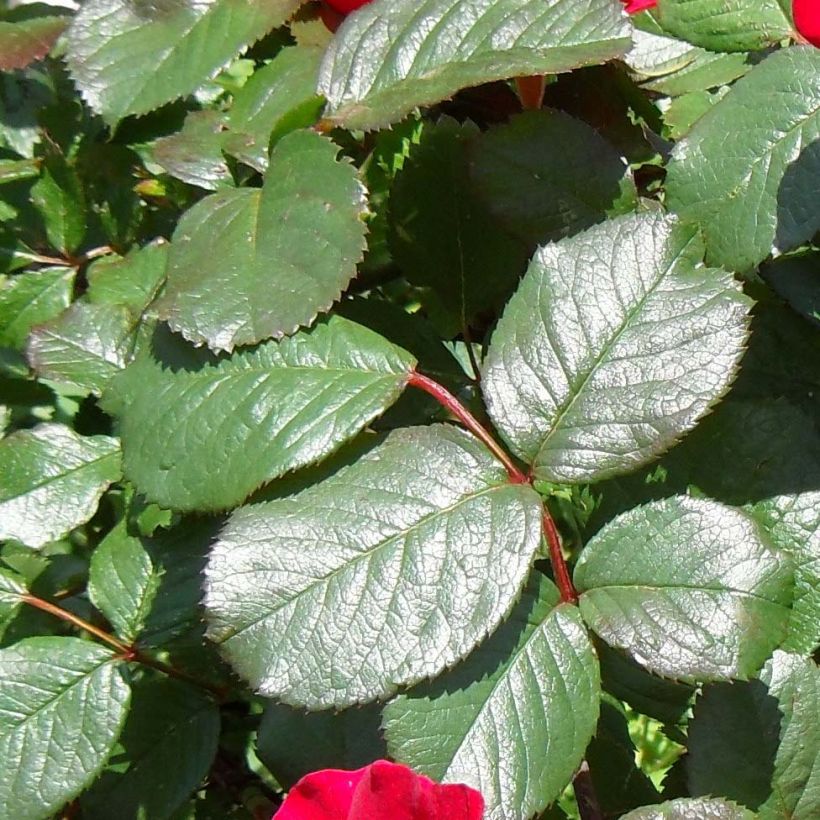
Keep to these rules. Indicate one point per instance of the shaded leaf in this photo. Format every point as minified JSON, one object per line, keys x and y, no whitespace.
{"x":59,"y":197}
{"x":294,"y":246}
{"x":514,"y":719}
{"x":290,"y":403}
{"x":52,"y":481}
{"x":62,"y":705}
{"x":31,"y":298}
{"x":131,"y":57}
{"x":713,"y":611}
{"x":422,"y":53}
{"x":616,"y":342}
{"x":416,"y":552}
{"x":797,"y":280}
{"x":762,"y":195}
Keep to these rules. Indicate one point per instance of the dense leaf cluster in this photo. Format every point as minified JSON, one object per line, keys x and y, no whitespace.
{"x":350,"y":411}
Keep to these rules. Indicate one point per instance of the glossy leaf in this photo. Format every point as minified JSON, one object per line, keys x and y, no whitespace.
{"x":713,"y":611}
{"x":294,"y":247}
{"x":131,"y":57}
{"x":692,"y":809}
{"x":384,"y":574}
{"x":278,"y":98}
{"x":615,"y":343}
{"x":52,"y":481}
{"x":291,"y":403}
{"x":533,"y":685}
{"x":62,"y":705}
{"x":167,"y":746}
{"x":123,"y":582}
{"x":390,"y":57}
{"x":726,"y":25}
{"x":761,"y":195}
{"x":548,"y":175}
{"x":31,"y":298}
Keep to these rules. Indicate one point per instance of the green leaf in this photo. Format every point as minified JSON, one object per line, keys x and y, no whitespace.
{"x":167,"y":746}
{"x":706,"y":71}
{"x":62,"y":705}
{"x":442,"y":236}
{"x":13,"y":170}
{"x":23,"y":42}
{"x":750,"y":181}
{"x":123,"y":582}
{"x":289,"y":404}
{"x":691,"y":809}
{"x":726,"y":25}
{"x":292,"y":743}
{"x":732,"y":742}
{"x":280,"y":97}
{"x":131,"y":281}
{"x":390,"y":57}
{"x":194,"y":154}
{"x":84,"y":347}
{"x":514,"y":719}
{"x":587,"y":178}
{"x":795,"y":682}
{"x":797,"y":280}
{"x":615,"y":343}
{"x":129,"y":58}
{"x":294,"y":247}
{"x":31,"y":298}
{"x":23,"y":94}
{"x":59,"y":197}
{"x":12,"y":588}
{"x":713,"y":611}
{"x":52,"y":481}
{"x":416,"y":552}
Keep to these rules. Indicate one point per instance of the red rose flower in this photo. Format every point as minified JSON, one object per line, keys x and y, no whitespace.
{"x":380,"y":791}
{"x":634,"y":6}
{"x":346,"y":6}
{"x":807,"y":19}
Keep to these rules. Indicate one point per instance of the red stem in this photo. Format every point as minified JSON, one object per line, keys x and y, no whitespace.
{"x":569,"y":595}
{"x":454,"y":406}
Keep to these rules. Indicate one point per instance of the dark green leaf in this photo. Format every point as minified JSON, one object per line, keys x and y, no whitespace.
{"x":616,"y":342}
{"x":31,"y":298}
{"x":128,"y":58}
{"x":60,"y":199}
{"x":513,"y":720}
{"x":797,"y":280}
{"x":292,"y":743}
{"x":279,"y":97}
{"x":293,"y":247}
{"x":290,"y":403}
{"x":713,"y":611}
{"x":391,"y":57}
{"x":131,"y":281}
{"x":167,"y":746}
{"x":52,"y":481}
{"x":547,"y":175}
{"x":62,"y":705}
{"x":416,"y":552}
{"x":762,"y":194}
{"x":123,"y":582}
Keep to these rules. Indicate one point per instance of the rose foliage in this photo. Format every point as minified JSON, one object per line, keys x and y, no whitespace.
{"x":409,"y":409}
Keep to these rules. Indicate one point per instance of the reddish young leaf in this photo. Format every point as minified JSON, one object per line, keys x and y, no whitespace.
{"x":380,"y":791}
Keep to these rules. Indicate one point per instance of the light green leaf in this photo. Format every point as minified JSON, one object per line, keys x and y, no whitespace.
{"x":52,"y":481}
{"x":653,"y":54}
{"x":692,"y":809}
{"x":712,"y":611}
{"x":546,"y":175}
{"x":32,"y":298}
{"x":795,"y":682}
{"x":278,"y":98}
{"x":534,"y":685}
{"x":384,"y":574}
{"x":294,"y":246}
{"x":761,"y":194}
{"x":25,"y":41}
{"x":123,"y":582}
{"x":726,"y":25}
{"x":706,"y":71}
{"x":391,"y":57}
{"x":194,"y":154}
{"x":167,"y":746}
{"x":616,"y":342}
{"x":62,"y":705}
{"x":131,"y":57}
{"x":288,"y":403}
